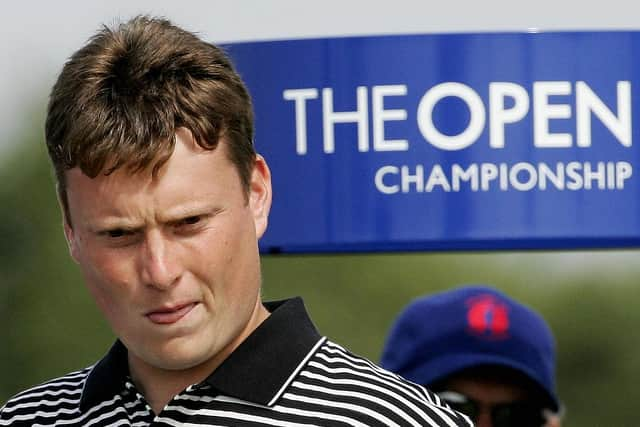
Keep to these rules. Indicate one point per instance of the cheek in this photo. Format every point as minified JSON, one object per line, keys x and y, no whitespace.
{"x":103,"y":299}
{"x":209,"y":261}
{"x":109,"y":278}
{"x":243,"y":262}
{"x":111,"y":271}
{"x":222,"y":260}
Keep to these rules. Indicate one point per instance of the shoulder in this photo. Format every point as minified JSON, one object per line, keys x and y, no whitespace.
{"x":47,"y":402}
{"x":373,"y":395}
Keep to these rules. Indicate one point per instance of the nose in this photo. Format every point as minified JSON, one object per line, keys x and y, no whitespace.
{"x":483,"y":419}
{"x":159,"y":265}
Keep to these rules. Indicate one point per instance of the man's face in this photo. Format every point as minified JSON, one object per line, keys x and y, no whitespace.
{"x":488,"y":394}
{"x":172,"y":260}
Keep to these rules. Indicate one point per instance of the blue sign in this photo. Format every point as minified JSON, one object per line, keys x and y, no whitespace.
{"x":458,"y":141}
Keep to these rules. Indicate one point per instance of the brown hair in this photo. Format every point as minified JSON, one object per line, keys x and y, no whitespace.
{"x":120,"y":99}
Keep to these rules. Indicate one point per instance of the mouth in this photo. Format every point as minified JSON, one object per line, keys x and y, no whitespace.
{"x":169,"y":315}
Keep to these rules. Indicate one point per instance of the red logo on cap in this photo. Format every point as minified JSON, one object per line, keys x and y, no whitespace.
{"x":488,"y":317}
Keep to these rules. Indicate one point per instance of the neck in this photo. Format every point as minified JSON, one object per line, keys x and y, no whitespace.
{"x":159,"y":386}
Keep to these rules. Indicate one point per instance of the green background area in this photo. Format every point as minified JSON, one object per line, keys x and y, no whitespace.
{"x":51,"y":326}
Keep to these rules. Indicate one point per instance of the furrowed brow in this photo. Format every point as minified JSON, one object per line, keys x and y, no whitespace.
{"x":181,"y":212}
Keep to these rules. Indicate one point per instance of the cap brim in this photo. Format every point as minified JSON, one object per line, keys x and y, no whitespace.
{"x":440,"y":368}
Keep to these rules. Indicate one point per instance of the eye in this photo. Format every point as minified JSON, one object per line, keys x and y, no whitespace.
{"x":189,"y":224}
{"x":191,"y":220}
{"x":117,"y":233}
{"x":119,"y":236}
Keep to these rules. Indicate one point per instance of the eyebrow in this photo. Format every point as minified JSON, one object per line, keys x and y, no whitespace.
{"x":185,"y":211}
{"x":114,"y":223}
{"x":171,"y":215}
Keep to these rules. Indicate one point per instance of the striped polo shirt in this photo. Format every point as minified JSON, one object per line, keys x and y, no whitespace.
{"x":283,"y":374}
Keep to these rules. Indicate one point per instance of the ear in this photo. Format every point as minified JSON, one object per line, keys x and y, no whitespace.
{"x":260,"y":194}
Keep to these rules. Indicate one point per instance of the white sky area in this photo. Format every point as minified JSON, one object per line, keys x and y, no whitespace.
{"x":37,"y":37}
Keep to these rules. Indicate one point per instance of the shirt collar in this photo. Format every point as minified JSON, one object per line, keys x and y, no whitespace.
{"x":107,"y":377}
{"x":263,"y":365}
{"x":257,"y":371}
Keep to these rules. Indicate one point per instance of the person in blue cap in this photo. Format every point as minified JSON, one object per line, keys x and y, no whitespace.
{"x":485,"y":354}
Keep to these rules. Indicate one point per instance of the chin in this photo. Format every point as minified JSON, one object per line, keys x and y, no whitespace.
{"x":175,"y":362}
{"x":182,"y":358}
{"x":174,"y":355}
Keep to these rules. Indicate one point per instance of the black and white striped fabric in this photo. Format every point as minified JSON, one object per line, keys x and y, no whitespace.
{"x":284,"y":374}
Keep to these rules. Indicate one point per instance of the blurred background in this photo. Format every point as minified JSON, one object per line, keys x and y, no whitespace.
{"x":51,"y":326}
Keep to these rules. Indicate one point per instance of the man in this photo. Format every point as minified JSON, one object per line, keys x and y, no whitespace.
{"x":484,"y":353}
{"x":150,"y":133}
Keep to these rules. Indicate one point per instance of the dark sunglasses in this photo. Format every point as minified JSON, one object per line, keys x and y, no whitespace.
{"x":512,"y":414}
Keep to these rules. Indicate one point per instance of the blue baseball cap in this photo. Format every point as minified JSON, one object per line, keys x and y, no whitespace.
{"x":439,"y":335}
